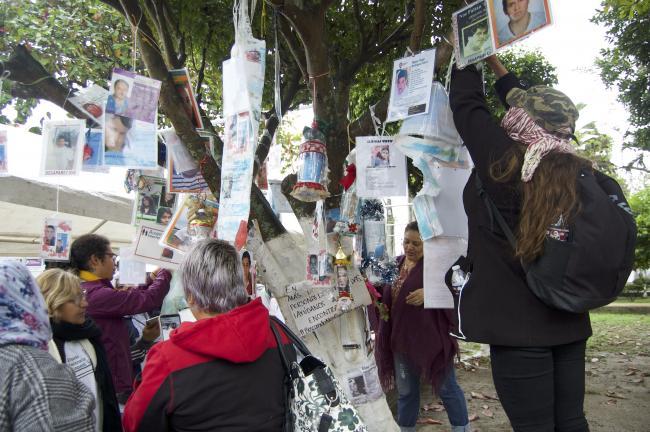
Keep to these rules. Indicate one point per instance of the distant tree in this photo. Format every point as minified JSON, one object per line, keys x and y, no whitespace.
{"x":640,"y":203}
{"x":626,"y":64}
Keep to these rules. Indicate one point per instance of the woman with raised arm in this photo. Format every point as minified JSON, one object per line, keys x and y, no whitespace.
{"x":529,"y":169}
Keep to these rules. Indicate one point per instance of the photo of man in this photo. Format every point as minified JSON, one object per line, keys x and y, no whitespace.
{"x":116,"y":133}
{"x":61,"y":155}
{"x":517,"y":18}
{"x":475,"y":38}
{"x":401,"y":82}
{"x":118,"y":102}
{"x":342,"y":281}
{"x":164,"y":216}
{"x":313,"y":265}
{"x":49,"y":239}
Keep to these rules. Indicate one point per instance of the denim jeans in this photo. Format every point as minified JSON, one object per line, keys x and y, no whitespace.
{"x":408,"y":403}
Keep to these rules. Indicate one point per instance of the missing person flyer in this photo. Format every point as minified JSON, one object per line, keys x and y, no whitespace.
{"x":411,"y":85}
{"x":472,"y":33}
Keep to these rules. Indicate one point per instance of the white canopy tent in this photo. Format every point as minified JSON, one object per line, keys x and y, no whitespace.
{"x":24,"y":205}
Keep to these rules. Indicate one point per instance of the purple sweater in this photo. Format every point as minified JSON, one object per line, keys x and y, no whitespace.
{"x":421,"y":335}
{"x":108,"y":306}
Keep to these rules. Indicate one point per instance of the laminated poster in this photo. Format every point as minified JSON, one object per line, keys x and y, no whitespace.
{"x":485,"y":26}
{"x":93,"y":152}
{"x":472,"y":33}
{"x":236,"y":176}
{"x":63,"y":142}
{"x":193,"y":220}
{"x":516,"y":22}
{"x":57,"y":237}
{"x":313,"y":308}
{"x":243,"y":78}
{"x":184,"y":173}
{"x":381,"y":168}
{"x":411,"y":85}
{"x":91,"y":101}
{"x":4,"y":166}
{"x":130,"y":121}
{"x":152,"y":201}
{"x":148,"y":249}
{"x":439,"y":255}
{"x":183,"y":86}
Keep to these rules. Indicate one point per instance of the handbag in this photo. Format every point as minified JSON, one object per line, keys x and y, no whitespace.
{"x":314,"y":400}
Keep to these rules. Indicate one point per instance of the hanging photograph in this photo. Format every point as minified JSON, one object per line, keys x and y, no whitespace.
{"x":91,"y":101}
{"x":184,"y":174}
{"x":411,"y":85}
{"x":149,"y":194}
{"x":181,"y":79}
{"x":63,"y":142}
{"x":194,"y":220}
{"x":130,"y":121}
{"x":381,"y":168}
{"x":93,"y":151}
{"x":4,"y":166}
{"x":149,"y":250}
{"x":236,"y":175}
{"x":516,"y":19}
{"x":57,"y":236}
{"x":472,"y":33}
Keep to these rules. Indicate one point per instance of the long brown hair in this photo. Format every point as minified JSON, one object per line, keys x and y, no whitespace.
{"x":551,"y":193}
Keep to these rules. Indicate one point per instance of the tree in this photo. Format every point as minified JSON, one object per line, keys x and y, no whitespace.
{"x":626,"y":64}
{"x":640,"y":204}
{"x":334,"y":54}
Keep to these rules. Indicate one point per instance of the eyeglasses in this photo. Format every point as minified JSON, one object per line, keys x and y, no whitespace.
{"x":79,"y":298}
{"x":113,"y":256}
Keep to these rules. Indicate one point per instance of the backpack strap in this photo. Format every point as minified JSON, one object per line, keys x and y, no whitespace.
{"x":494,"y":212}
{"x":90,"y":351}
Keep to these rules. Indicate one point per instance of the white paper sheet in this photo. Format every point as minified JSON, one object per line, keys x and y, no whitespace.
{"x":381,"y":168}
{"x":439,"y":255}
{"x":411,"y":85}
{"x":63,"y":142}
{"x":131,"y":271}
{"x":149,"y":251}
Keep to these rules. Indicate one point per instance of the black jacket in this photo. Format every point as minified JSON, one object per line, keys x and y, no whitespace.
{"x":496,"y":307}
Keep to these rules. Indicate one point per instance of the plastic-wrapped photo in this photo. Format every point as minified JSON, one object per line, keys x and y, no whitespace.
{"x":130,"y":121}
{"x":150,"y":192}
{"x":515,"y":19}
{"x":472,"y":33}
{"x":62,"y":147}
{"x":55,"y":244}
{"x":91,"y":100}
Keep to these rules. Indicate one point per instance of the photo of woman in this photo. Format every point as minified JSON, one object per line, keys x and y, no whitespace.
{"x":516,"y":18}
{"x":147,"y":206}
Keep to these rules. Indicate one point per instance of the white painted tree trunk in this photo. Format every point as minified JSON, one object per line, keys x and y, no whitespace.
{"x":281,"y":262}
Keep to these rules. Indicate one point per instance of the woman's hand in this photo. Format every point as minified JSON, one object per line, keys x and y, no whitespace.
{"x":497,"y":67}
{"x":151,"y":331}
{"x":416,"y":298}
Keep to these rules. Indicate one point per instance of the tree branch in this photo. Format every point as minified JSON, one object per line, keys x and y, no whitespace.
{"x":31,"y":80}
{"x":418,"y":26}
{"x":201,"y":76}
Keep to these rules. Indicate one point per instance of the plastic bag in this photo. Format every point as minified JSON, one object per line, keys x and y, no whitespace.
{"x":433,"y":135}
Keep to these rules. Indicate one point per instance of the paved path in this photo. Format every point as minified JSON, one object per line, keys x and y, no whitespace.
{"x":639,"y":308}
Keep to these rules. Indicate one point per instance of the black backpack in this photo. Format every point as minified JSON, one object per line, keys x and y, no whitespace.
{"x":591,"y":269}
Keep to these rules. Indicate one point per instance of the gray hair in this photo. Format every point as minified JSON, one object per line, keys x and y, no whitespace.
{"x":212,"y":275}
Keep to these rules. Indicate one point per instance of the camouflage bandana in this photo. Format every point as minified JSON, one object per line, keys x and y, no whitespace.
{"x":522,"y":128}
{"x":551,"y":109}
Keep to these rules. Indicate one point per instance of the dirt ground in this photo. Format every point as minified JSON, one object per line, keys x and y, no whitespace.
{"x":617,"y":382}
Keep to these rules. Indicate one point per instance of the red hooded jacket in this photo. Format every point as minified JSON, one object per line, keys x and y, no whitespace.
{"x":223,"y":373}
